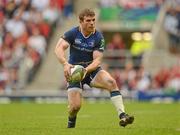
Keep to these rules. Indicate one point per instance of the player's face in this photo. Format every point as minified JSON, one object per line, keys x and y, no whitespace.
{"x":88,"y":24}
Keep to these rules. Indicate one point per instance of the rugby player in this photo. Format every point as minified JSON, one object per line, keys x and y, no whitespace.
{"x":86,"y":46}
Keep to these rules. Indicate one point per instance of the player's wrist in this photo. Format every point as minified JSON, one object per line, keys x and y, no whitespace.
{"x":65,"y":63}
{"x":86,"y":69}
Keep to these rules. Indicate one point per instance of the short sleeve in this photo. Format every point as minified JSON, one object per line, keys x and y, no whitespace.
{"x":69,"y":36}
{"x":100,"y":43}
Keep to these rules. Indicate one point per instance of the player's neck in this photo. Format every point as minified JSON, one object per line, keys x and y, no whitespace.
{"x":85,"y":33}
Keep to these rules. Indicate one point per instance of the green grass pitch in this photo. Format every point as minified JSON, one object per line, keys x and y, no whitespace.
{"x":94,"y":119}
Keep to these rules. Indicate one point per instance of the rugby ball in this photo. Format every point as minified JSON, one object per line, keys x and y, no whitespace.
{"x":77,"y":73}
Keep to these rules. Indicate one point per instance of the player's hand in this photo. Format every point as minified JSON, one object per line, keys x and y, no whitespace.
{"x":67,"y":70}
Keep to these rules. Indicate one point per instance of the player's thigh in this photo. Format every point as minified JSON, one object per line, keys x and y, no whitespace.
{"x":104,"y":80}
{"x":74,"y":98}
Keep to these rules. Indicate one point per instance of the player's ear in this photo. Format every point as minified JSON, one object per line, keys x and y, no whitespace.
{"x":80,"y":20}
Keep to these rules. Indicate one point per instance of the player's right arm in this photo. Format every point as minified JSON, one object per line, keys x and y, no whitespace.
{"x":60,"y":49}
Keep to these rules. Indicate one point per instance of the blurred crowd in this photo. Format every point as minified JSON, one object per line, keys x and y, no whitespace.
{"x":139,"y":79}
{"x":133,"y":76}
{"x":26,"y":27}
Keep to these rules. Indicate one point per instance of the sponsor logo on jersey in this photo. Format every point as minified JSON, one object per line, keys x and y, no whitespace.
{"x":77,"y":41}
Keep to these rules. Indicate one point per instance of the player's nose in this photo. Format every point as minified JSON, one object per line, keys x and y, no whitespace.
{"x":92,"y":22}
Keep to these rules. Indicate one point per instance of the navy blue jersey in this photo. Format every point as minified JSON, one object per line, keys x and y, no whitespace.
{"x":81,"y":48}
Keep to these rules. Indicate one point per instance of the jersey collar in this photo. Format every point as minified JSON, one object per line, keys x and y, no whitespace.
{"x":88,"y":35}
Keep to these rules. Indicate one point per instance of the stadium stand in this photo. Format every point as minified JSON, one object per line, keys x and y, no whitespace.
{"x":161,"y":45}
{"x":144,"y":72}
{"x":153,"y":73}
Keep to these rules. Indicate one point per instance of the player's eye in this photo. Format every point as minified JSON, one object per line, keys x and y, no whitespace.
{"x":89,"y":20}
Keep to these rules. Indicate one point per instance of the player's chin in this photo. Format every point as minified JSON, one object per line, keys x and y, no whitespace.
{"x":91,"y":29}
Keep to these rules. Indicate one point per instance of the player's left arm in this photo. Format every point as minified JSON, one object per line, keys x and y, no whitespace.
{"x":97,"y":54}
{"x":97,"y":59}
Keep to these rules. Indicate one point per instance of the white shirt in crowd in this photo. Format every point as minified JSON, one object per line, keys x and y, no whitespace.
{"x":37,"y":42}
{"x":16,"y":27}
